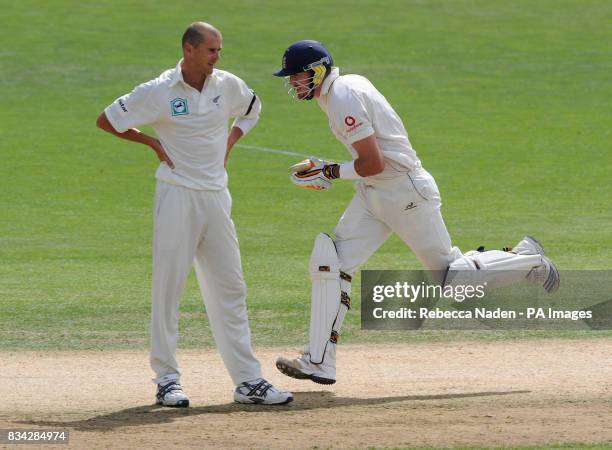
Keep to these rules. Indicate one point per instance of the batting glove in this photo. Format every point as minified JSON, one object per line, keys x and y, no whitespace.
{"x":313,"y":173}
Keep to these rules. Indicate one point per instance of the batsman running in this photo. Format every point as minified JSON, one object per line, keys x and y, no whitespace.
{"x":394,"y":194}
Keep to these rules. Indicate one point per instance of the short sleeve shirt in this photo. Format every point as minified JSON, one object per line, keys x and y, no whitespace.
{"x":357,"y":110}
{"x":192,"y":126}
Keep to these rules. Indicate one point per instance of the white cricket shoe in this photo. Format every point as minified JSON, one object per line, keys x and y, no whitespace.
{"x":547,"y":274}
{"x":302,"y":369}
{"x":171,"y":394}
{"x":528,"y":246}
{"x":259,"y":391}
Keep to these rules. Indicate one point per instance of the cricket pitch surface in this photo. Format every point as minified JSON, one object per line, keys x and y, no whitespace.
{"x":501,"y":393}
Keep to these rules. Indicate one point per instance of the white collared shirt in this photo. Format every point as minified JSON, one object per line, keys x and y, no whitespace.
{"x":192,"y":126}
{"x":357,"y":110}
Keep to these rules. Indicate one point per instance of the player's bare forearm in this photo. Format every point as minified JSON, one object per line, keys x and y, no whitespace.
{"x":370,"y":161}
{"x":132,"y":134}
{"x":234,"y":135}
{"x":135,"y":135}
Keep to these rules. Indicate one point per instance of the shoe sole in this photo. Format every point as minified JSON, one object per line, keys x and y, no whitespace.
{"x":179,"y":404}
{"x":295,"y":373}
{"x":258,"y":401}
{"x":537,"y":244}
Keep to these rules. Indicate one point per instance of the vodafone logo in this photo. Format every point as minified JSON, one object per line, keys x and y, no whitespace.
{"x":350,"y":124}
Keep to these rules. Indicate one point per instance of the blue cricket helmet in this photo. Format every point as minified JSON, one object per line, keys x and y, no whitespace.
{"x":304,"y":55}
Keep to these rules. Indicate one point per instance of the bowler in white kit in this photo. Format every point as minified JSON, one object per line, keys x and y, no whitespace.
{"x":394,"y":194}
{"x":189,"y":107}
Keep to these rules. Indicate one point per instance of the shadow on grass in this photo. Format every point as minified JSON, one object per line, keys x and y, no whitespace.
{"x":303,"y":401}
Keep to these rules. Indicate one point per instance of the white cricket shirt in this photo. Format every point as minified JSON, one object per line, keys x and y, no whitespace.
{"x":356,"y":110}
{"x":191,"y":125}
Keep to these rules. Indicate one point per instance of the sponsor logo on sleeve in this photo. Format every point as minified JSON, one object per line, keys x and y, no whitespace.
{"x":179,"y":107}
{"x":351,"y":124}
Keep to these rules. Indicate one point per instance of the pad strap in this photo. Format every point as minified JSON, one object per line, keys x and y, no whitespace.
{"x":346,"y":277}
{"x":345,"y":300}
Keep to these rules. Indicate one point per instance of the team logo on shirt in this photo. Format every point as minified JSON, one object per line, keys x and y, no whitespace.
{"x":216,"y":100}
{"x":179,"y":107}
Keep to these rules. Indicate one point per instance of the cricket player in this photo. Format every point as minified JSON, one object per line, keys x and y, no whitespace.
{"x":189,"y":106}
{"x":394,"y":194}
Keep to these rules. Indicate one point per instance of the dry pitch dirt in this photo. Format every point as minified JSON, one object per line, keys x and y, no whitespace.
{"x":459,"y":394}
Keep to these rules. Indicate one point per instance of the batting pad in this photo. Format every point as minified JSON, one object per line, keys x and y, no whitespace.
{"x":325,"y":299}
{"x":493,"y":268}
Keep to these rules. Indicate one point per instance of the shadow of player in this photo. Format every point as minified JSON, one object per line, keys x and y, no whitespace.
{"x":303,"y":401}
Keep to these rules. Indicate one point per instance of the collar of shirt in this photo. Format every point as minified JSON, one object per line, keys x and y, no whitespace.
{"x":335,"y":73}
{"x":322,"y":99}
{"x":178,"y":74}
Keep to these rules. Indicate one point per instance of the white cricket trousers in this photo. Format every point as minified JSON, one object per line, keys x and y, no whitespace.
{"x":194,"y":227}
{"x":408,"y":206}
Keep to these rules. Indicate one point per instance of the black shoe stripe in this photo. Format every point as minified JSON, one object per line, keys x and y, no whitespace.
{"x":163,"y":390}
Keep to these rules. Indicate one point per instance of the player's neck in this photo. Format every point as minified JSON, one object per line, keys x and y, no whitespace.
{"x":193,"y":77}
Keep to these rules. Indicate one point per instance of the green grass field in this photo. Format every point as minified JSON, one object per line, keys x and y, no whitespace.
{"x":507,"y":103}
